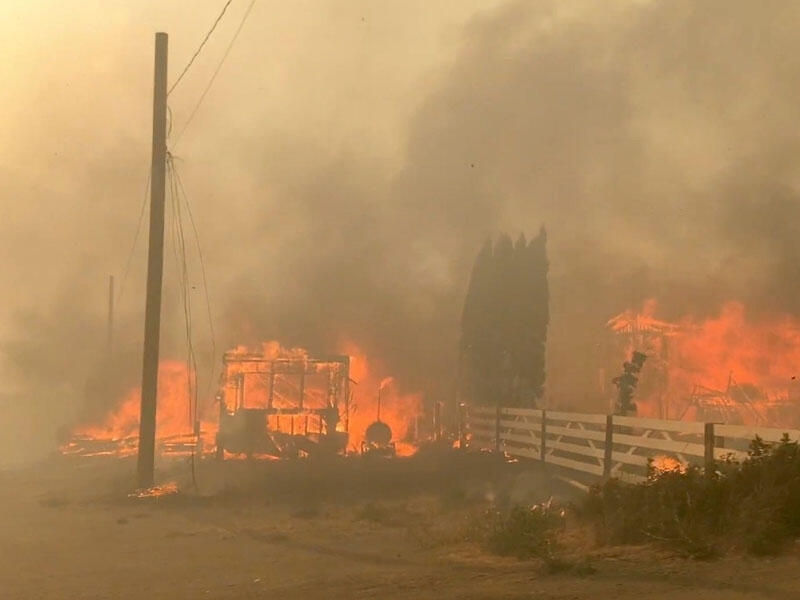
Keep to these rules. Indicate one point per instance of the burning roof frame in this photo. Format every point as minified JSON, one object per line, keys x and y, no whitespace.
{"x":639,"y":328}
{"x":301,"y":366}
{"x":239,"y":430}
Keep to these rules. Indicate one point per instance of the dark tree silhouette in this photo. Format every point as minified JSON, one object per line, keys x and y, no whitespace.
{"x":539,"y":319}
{"x":503,"y":327}
{"x":504,"y":323}
{"x":475,"y":326}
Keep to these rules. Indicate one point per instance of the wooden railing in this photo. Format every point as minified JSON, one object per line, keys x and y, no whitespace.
{"x":602,"y":446}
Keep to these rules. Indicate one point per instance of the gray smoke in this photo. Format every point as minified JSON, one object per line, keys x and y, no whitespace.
{"x":655,"y":140}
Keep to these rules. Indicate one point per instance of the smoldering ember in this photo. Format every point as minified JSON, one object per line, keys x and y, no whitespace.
{"x":486,"y":299}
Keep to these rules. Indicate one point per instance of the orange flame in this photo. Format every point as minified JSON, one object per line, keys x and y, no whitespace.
{"x":117,"y":433}
{"x":730,"y":361}
{"x":156,"y":491}
{"x":398,"y":409}
{"x":666,"y":464}
{"x":119,"y":430}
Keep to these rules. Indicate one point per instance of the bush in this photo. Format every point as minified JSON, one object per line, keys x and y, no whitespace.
{"x":768,"y":487}
{"x":679,"y":509}
{"x":521,"y":532}
{"x":756,"y":501}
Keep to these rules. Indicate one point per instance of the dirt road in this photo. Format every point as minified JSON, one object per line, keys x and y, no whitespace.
{"x":70,"y":531}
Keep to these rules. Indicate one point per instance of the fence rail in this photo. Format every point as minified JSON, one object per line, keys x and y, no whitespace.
{"x":602,"y":446}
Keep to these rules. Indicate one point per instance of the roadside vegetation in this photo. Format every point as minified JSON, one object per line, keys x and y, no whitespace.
{"x":752,"y":506}
{"x":519,"y":531}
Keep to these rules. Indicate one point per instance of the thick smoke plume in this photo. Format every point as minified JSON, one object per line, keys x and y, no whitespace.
{"x":344,"y":196}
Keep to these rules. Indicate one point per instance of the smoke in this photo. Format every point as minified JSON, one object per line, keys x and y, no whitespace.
{"x":652,"y":138}
{"x":348,"y":165}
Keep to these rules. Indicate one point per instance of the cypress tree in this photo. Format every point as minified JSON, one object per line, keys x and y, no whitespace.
{"x":536,"y":343}
{"x":504,"y":323}
{"x":520,"y":311}
{"x":475,"y":324}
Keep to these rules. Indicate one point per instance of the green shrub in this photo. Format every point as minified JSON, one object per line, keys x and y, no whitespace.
{"x":756,"y":501}
{"x":767,"y":490}
{"x":521,"y":532}
{"x":679,"y":509}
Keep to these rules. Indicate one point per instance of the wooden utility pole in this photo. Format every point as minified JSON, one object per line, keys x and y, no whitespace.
{"x":155,"y":267}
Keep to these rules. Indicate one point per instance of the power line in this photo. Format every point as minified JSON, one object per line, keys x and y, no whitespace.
{"x":135,"y":238}
{"x":216,"y":72}
{"x":178,"y":193}
{"x":203,"y":43}
{"x":179,"y":247}
{"x":182,"y":190}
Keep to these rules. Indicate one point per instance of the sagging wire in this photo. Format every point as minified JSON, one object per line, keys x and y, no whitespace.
{"x":179,"y":202}
{"x":216,"y":72}
{"x":200,"y":48}
{"x":179,"y":249}
{"x":201,"y":258}
{"x":128,"y":262}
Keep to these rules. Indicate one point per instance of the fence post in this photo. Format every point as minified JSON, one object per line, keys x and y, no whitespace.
{"x":708,"y":435}
{"x":543,"y":438}
{"x":609,"y":447}
{"x":497,"y":430}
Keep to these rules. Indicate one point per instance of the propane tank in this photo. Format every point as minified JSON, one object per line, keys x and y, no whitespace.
{"x":378,"y":434}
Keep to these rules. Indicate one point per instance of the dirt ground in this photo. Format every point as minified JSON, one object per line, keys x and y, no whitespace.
{"x":300,"y":530}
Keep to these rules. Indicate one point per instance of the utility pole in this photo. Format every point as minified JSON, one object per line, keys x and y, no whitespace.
{"x":155,"y":267}
{"x":110,"y":338}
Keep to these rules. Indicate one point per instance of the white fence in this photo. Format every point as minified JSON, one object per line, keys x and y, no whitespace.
{"x":602,"y":446}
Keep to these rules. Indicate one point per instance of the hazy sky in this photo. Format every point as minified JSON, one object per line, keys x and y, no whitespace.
{"x":331,"y":78}
{"x":317,"y":79}
{"x":308,"y":84}
{"x":352,"y":157}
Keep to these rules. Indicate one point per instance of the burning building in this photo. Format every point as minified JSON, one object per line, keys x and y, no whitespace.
{"x":283,"y":402}
{"x":639,"y":331}
{"x":726,"y":368}
{"x":271,"y":401}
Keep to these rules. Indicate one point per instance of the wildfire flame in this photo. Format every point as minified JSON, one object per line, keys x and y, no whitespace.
{"x":666,"y":464}
{"x":743,"y":367}
{"x":157,"y":491}
{"x":117,"y":432}
{"x":399,"y":410}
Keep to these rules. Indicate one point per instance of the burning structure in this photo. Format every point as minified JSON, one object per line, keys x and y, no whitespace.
{"x":271,"y":402}
{"x":181,"y":428}
{"x":726,"y":368}
{"x":283,"y":403}
{"x":640,"y":333}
